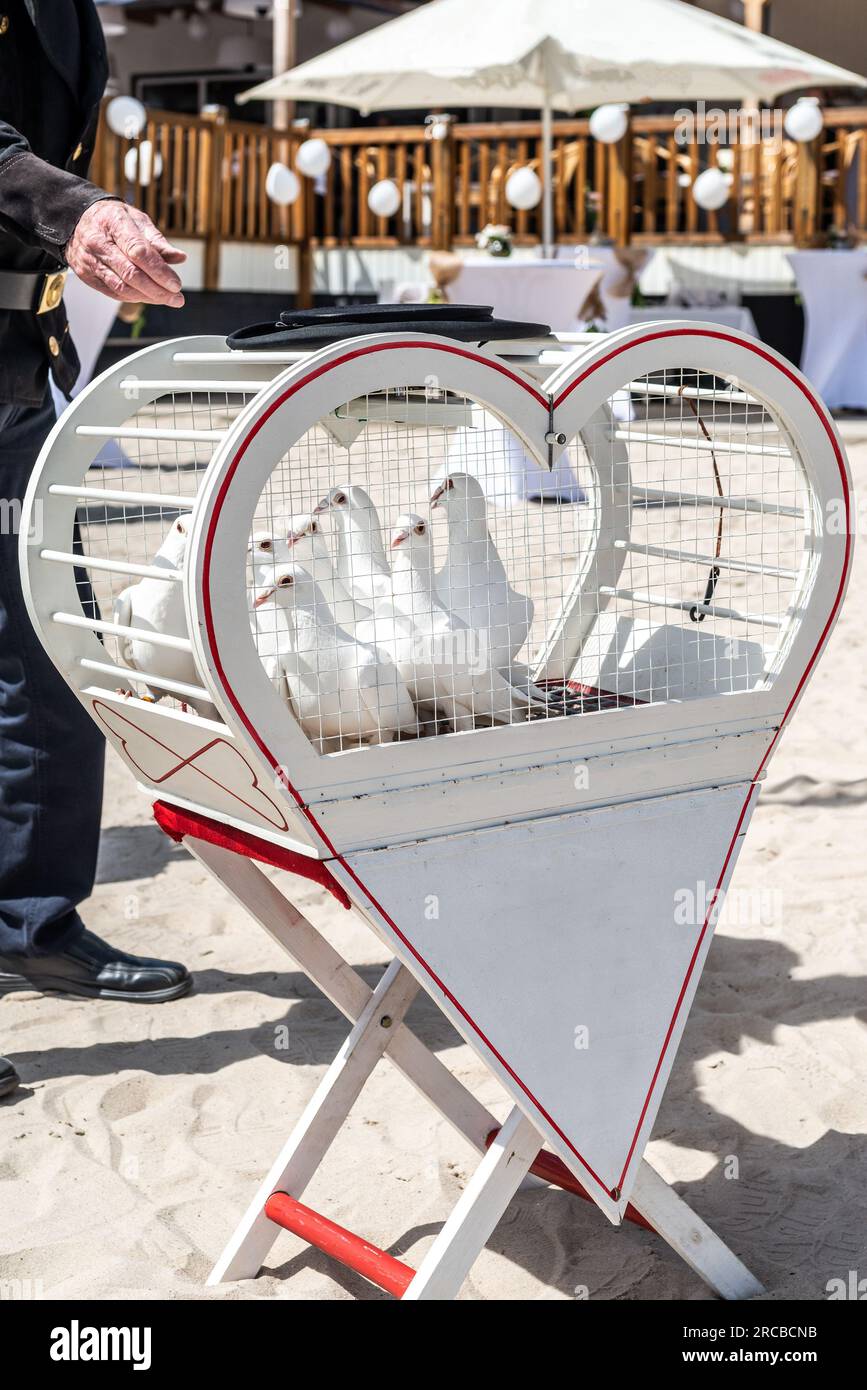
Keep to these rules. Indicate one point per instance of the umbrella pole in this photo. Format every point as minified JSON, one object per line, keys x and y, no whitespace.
{"x":547,"y":190}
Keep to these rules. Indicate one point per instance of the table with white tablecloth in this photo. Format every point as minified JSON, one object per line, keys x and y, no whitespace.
{"x":833,"y":287}
{"x":726,"y":315}
{"x":539,"y":291}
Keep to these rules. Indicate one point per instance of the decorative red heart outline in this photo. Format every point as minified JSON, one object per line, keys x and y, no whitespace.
{"x":189,"y":760}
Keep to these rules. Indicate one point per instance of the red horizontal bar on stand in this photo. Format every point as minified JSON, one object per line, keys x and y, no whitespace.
{"x":552,"y":1169}
{"x":351,"y":1250}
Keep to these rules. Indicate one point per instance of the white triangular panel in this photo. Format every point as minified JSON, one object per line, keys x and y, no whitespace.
{"x":567,"y":951}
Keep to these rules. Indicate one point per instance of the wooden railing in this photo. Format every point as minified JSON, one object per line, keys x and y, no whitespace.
{"x":208,"y":182}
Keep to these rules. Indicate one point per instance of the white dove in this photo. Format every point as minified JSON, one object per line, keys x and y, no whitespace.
{"x":304,"y":544}
{"x":157,"y":605}
{"x":362,"y":566}
{"x":342,"y":691}
{"x":438,"y":656}
{"x":473,"y":583}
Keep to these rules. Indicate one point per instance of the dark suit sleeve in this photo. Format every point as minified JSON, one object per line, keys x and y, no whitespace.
{"x":39,"y":204}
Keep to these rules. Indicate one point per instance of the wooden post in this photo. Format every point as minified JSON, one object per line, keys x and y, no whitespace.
{"x":211,"y":189}
{"x":754,"y":15}
{"x":620,"y":190}
{"x":284,"y":50}
{"x":806,"y":216}
{"x":443,"y":194}
{"x":284,"y":54}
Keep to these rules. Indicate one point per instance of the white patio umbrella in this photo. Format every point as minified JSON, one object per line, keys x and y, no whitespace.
{"x":552,"y":54}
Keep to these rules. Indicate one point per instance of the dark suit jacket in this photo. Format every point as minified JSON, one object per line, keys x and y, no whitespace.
{"x":53,"y":70}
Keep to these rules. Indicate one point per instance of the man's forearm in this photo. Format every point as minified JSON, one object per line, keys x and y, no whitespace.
{"x":39,"y":204}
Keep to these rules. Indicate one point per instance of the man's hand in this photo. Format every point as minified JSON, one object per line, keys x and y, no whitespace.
{"x":117,"y":249}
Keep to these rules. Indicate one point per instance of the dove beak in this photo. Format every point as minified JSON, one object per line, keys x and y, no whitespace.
{"x":263,"y":597}
{"x":399,"y":539}
{"x":294,"y":536}
{"x":436,"y":497}
{"x":321,"y":507}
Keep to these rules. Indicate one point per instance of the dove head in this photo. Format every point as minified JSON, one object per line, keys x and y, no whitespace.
{"x":343,"y":499}
{"x":261,"y":545}
{"x":295,"y":587}
{"x":306,"y":532}
{"x":462,"y":498}
{"x":174,"y":545}
{"x":411,"y":539}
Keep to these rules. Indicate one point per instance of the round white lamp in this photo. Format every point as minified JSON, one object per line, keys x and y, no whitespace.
{"x":384,"y":198}
{"x":609,"y":123}
{"x":140,"y":164}
{"x":282,"y":185}
{"x":523,"y":189}
{"x":804,"y":120}
{"x":711,"y":190}
{"x":312,"y":158}
{"x":126,"y":117}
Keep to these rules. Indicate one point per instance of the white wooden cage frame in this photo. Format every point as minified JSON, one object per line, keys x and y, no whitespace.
{"x":688,"y":759}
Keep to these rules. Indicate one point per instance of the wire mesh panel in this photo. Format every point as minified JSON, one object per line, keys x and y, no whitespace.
{"x":407,"y":559}
{"x":719,"y":510}
{"x":133,"y":527}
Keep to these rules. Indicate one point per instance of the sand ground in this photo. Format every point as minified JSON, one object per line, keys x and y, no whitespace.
{"x":140,"y":1132}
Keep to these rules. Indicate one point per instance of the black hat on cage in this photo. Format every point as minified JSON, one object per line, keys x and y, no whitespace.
{"x":315,"y":328}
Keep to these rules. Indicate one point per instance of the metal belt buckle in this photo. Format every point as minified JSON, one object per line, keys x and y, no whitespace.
{"x":52,"y":291}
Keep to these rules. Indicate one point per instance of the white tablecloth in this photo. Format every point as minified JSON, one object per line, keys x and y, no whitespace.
{"x":539,"y":291}
{"x":834,"y":291}
{"x":728,"y":315}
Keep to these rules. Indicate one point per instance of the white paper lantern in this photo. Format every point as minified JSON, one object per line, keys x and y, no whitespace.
{"x":338,"y":28}
{"x":140,"y":164}
{"x":609,"y":123}
{"x":523,"y":189}
{"x":282,"y":185}
{"x":313,"y":158}
{"x":711,"y":190}
{"x":126,"y":117}
{"x":804,"y":120}
{"x":384,"y":198}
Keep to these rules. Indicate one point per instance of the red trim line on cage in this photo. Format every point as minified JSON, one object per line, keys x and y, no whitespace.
{"x":178,"y":823}
{"x":609,"y":1189}
{"x":350,"y":1249}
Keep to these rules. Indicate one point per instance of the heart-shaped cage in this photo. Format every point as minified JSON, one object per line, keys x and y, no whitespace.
{"x":507,"y":640}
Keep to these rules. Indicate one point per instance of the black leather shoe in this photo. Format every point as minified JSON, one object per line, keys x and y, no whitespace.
{"x":93,"y":969}
{"x":9,"y":1078}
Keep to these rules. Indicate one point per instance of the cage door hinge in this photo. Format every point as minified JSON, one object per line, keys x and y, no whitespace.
{"x":555,"y":439}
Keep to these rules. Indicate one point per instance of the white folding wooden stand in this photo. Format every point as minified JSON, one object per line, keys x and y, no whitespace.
{"x":555,"y":892}
{"x":507,"y":1153}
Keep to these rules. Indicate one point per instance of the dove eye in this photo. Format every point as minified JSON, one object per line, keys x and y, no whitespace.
{"x":420,"y":529}
{"x":285,"y":581}
{"x":182,"y":529}
{"x":266,"y":545}
{"x":314,"y":527}
{"x":340,"y":499}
